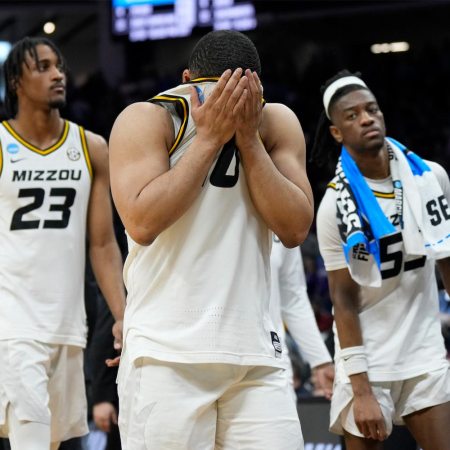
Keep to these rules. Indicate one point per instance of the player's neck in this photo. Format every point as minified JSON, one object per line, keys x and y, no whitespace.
{"x":40,"y":128}
{"x":373,"y":164}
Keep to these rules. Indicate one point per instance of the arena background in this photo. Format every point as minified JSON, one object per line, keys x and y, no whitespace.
{"x":301,"y":44}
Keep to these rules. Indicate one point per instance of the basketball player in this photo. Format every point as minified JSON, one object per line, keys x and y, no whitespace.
{"x":201,"y":174}
{"x":54,"y":185}
{"x":382,"y":223}
{"x":291,"y":307}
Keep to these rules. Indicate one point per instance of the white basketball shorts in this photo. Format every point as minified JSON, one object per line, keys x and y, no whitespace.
{"x":177,"y":406}
{"x":396,"y":399}
{"x":43,"y":383}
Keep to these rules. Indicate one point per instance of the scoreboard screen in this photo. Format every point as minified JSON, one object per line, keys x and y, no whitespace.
{"x":142,"y":20}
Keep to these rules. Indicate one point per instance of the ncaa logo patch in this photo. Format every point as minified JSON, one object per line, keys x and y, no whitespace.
{"x":12,"y":148}
{"x":73,"y":154}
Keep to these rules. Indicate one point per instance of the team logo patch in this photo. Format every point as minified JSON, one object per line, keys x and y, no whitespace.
{"x":73,"y":154}
{"x":12,"y":148}
{"x":276,"y":344}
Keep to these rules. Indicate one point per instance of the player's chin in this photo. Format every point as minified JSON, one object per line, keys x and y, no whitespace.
{"x":58,"y":102}
{"x":374,"y":143}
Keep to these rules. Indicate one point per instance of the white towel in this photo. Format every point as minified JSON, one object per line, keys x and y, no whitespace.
{"x":426,"y":213}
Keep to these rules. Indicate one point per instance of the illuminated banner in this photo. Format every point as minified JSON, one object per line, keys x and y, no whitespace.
{"x":142,"y":20}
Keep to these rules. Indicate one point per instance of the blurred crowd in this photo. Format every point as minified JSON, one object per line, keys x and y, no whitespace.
{"x":412,"y":93}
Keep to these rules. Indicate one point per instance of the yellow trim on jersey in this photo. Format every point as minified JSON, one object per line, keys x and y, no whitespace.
{"x":31,"y":147}
{"x":1,"y":159}
{"x":183,"y":101}
{"x":204,"y":79}
{"x":383,"y":194}
{"x":85,"y":150}
{"x":376,"y":193}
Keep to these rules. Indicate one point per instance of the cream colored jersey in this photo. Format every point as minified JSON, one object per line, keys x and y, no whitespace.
{"x":44,"y":197}
{"x":290,"y":305}
{"x":399,"y":320}
{"x":200,"y":291}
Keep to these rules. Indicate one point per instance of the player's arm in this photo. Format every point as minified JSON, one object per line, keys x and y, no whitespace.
{"x":275,"y":167}
{"x":149,"y":195}
{"x":444,"y":270}
{"x":104,"y":252}
{"x":298,"y":315}
{"x":345,"y":297}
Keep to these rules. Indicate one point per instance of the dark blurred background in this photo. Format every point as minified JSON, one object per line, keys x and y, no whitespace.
{"x":301,"y":43}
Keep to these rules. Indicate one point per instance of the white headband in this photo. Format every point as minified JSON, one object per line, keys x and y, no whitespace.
{"x":335,"y":85}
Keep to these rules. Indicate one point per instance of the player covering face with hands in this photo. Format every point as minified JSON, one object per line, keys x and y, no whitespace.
{"x":203,"y":174}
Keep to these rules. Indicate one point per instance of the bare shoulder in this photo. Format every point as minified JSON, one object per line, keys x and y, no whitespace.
{"x":140,"y":111}
{"x":95,"y":142}
{"x":279,"y":124}
{"x":139,"y":123}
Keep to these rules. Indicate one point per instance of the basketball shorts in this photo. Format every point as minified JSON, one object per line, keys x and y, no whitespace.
{"x":396,"y":399}
{"x":176,"y":406}
{"x":44,"y":383}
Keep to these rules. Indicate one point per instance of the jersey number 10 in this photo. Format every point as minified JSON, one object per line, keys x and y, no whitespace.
{"x":220,"y":176}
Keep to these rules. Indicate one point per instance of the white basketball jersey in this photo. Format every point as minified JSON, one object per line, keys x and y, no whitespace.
{"x":44,"y":197}
{"x":399,"y":320}
{"x":200,"y":291}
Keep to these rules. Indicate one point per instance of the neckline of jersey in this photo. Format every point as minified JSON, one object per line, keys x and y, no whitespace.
{"x":32,"y":147}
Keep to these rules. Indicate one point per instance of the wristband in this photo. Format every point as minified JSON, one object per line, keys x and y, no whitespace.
{"x":354,"y":360}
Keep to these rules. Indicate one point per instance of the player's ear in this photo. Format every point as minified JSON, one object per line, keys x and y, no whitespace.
{"x":336,"y":133}
{"x":186,"y":76}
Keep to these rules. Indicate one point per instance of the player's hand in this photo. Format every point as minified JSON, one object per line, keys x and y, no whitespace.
{"x":251,"y":115}
{"x":217,"y":117}
{"x":104,"y":414}
{"x":368,"y":417}
{"x":113,"y":362}
{"x":117,"y":331}
{"x":322,"y":378}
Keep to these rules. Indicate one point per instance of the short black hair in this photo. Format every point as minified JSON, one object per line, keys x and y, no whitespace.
{"x":13,"y":66}
{"x":220,"y":50}
{"x":325,"y":148}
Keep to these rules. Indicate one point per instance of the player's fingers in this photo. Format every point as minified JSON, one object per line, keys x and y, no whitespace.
{"x":236,"y":94}
{"x":372,"y":431}
{"x":229,"y":88}
{"x":241,"y":103}
{"x":253,"y":85}
{"x":113,"y":362}
{"x":362,"y":428}
{"x":220,"y":86}
{"x":258,"y":83}
{"x":381,"y":430}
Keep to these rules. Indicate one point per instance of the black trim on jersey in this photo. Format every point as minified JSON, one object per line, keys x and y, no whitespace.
{"x":181,"y":108}
{"x":389,"y":195}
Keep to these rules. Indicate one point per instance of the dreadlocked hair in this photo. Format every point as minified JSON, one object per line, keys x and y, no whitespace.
{"x":13,"y":67}
{"x":325,"y":149}
{"x":220,"y":50}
